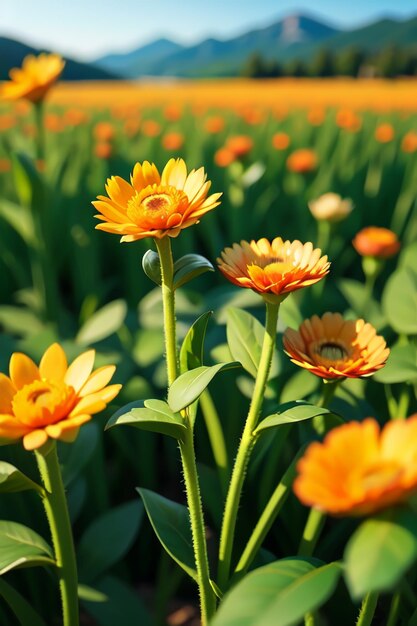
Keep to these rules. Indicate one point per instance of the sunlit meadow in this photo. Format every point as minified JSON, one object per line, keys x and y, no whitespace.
{"x":212,"y":399}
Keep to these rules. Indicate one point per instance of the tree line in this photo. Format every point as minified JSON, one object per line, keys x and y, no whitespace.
{"x":387,"y":63}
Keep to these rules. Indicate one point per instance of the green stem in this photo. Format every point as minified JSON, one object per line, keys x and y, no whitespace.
{"x":367,"y":611}
{"x":403,"y":403}
{"x":394,"y":609}
{"x":216,"y":436}
{"x":40,"y":130}
{"x":246,"y":446}
{"x":268,"y":516}
{"x":56,"y":509}
{"x":207,"y":597}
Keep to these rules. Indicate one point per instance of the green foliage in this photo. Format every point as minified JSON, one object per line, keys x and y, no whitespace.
{"x":22,"y":547}
{"x":153,"y":415}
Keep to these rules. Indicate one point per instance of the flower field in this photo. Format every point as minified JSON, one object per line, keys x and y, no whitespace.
{"x":209,"y":409}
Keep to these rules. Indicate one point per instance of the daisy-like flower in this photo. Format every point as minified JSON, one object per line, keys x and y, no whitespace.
{"x":360,"y":469}
{"x":34,"y":79}
{"x":331,"y":207}
{"x":334,"y":348}
{"x":153,"y":204}
{"x":52,"y":400}
{"x":377,"y":242}
{"x":273,"y":268}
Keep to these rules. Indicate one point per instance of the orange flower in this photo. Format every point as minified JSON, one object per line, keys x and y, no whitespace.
{"x":409,"y":142}
{"x":153,"y":204}
{"x":348,"y":120}
{"x":54,"y":123}
{"x":131,"y":127}
{"x":334,"y":348}
{"x":5,"y":165}
{"x":104,"y":131}
{"x":214,"y":124}
{"x":223,"y":157}
{"x":75,"y":117}
{"x":150,"y":128}
{"x":316,"y":117}
{"x":377,"y":242}
{"x":239,"y":145}
{"x":172,"y":141}
{"x":302,"y":161}
{"x":172,"y":112}
{"x":273,"y":269}
{"x":384,"y":133}
{"x":103,"y":150}
{"x":52,"y":400}
{"x":359,"y":469}
{"x":34,"y":79}
{"x":7,"y":121}
{"x":280,"y":141}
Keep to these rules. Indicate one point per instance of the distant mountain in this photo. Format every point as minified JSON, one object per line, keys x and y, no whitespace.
{"x":140,"y":60}
{"x":12,"y":53}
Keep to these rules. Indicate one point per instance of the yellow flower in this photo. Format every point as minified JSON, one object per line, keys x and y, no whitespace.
{"x":52,"y":400}
{"x":34,"y":79}
{"x":334,"y":348}
{"x":359,"y":469}
{"x":273,"y":268}
{"x":153,"y":204}
{"x":330,"y":207}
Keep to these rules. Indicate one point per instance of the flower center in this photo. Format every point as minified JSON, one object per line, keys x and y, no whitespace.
{"x":332,"y":351}
{"x":152,"y":207}
{"x":157,"y":202}
{"x":41,"y":403}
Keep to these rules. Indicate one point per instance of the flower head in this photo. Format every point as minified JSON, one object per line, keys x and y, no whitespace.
{"x":239,"y":145}
{"x":273,"y":268}
{"x":34,"y":79}
{"x":154,"y":204}
{"x":359,"y":469}
{"x":52,"y":400}
{"x":280,"y":141}
{"x":334,"y":348}
{"x":377,"y":242}
{"x":302,"y":161}
{"x":330,"y":207}
{"x":384,"y":133}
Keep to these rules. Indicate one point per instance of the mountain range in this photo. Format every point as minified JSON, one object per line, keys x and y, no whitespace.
{"x":294,"y":37}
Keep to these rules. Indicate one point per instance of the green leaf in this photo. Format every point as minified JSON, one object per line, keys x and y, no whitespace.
{"x":153,"y":415}
{"x":188,"y":267}
{"x":278,"y":594}
{"x":245,"y":337}
{"x":152,"y":266}
{"x":13,"y":480}
{"x":171,"y":523}
{"x":290,"y":413}
{"x":17,"y":320}
{"x":191,"y":353}
{"x":401,"y":366}
{"x":22,"y":547}
{"x":301,"y":385}
{"x":103,"y":323}
{"x":380,"y":552}
{"x":399,"y":301}
{"x":27,"y":182}
{"x":108,"y":539}
{"x":25,"y":614}
{"x":91,"y":595}
{"x":190,"y":385}
{"x":123,"y":605}
{"x":20,"y":219}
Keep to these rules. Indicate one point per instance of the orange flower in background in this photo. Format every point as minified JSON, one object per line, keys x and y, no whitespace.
{"x":375,"y":241}
{"x":54,"y":123}
{"x":273,"y":268}
{"x":348,"y":120}
{"x":384,"y":133}
{"x":34,"y":79}
{"x":280,"y":141}
{"x":334,"y":348}
{"x":150,"y":128}
{"x":223,"y":157}
{"x":104,"y":131}
{"x":214,"y":124}
{"x":409,"y":142}
{"x":7,"y":121}
{"x":239,"y":145}
{"x":302,"y":161}
{"x":154,"y":204}
{"x":75,"y":117}
{"x":316,"y":117}
{"x":52,"y":400}
{"x":360,"y":469}
{"x":172,"y":141}
{"x":131,"y":127}
{"x":103,"y":150}
{"x":172,"y":112}
{"x":5,"y":165}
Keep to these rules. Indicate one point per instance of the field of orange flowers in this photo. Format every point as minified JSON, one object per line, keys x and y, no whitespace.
{"x":238,"y":346}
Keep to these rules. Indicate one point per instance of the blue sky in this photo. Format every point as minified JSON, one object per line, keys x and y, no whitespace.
{"x":85,"y":29}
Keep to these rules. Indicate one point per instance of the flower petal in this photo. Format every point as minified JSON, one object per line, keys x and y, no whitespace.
{"x":23,"y":370}
{"x":80,"y":369}
{"x":53,"y":365}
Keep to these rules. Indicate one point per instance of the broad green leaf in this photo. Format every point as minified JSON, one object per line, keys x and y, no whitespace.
{"x":24,"y":613}
{"x":19,"y":321}
{"x":408,"y":257}
{"x":171,"y":523}
{"x":27,"y":182}
{"x":401,"y":366}
{"x":22,"y":547}
{"x":75,"y":457}
{"x":107,"y":540}
{"x":399,"y":301}
{"x":153,"y":415}
{"x":188,"y":267}
{"x":20,"y":219}
{"x":148,"y":347}
{"x":91,"y":595}
{"x":380,"y":552}
{"x":152,"y":266}
{"x":278,"y":594}
{"x":245,"y":337}
{"x":103,"y":323}
{"x":190,"y":385}
{"x":12,"y":480}
{"x":123,"y":605}
{"x":191,"y":353}
{"x":290,"y":413}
